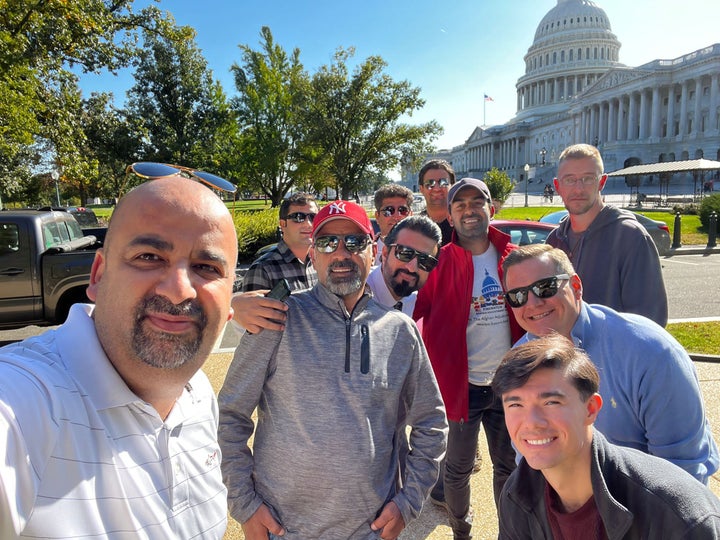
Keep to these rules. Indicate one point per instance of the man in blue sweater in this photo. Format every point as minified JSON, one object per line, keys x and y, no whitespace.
{"x":647,"y":378}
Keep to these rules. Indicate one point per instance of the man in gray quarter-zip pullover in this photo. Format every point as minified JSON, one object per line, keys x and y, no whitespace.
{"x":333,"y":391}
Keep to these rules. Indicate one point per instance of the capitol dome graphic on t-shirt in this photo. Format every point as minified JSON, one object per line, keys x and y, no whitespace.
{"x":492,"y":294}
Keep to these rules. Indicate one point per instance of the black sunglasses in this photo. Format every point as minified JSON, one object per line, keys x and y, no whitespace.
{"x":152,"y":171}
{"x":406,"y":254}
{"x":300,"y":217}
{"x":542,"y":288}
{"x":443,"y":182}
{"x":390,"y":210}
{"x":354,"y":243}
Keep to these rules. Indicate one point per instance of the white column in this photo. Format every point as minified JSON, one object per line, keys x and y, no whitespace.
{"x":697,"y":118}
{"x":602,"y":123}
{"x":714,"y":91}
{"x":642,"y":134}
{"x":593,"y":125}
{"x":612,"y":121}
{"x":632,"y":116}
{"x":671,"y":111}
{"x":655,"y":115}
{"x":683,"y":108}
{"x":620,"y":131}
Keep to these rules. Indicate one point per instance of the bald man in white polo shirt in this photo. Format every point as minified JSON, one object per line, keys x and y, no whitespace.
{"x":107,"y":427}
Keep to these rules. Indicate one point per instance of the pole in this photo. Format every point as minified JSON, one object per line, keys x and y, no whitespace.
{"x":55,"y":175}
{"x":676,"y":232}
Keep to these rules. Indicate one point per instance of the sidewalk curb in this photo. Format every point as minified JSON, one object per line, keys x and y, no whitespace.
{"x":711,"y":358}
{"x":692,"y":250}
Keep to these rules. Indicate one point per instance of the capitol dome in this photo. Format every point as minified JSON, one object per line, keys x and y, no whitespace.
{"x":573,"y":46}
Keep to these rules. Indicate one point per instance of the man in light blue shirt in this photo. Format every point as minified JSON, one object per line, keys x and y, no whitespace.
{"x":649,"y":383}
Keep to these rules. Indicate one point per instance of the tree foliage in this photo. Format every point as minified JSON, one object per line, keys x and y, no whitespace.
{"x":273,"y":91}
{"x":40,"y":42}
{"x":182,"y":112}
{"x":355,"y":120}
{"x":499,"y":184}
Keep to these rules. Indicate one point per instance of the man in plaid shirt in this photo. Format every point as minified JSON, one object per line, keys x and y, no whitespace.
{"x":289,"y":259}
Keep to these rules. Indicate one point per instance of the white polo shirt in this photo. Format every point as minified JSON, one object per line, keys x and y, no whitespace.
{"x":81,"y":456}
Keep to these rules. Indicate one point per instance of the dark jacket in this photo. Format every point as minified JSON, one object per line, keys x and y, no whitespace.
{"x":618,"y":264}
{"x":444,"y":305}
{"x":638,"y":496}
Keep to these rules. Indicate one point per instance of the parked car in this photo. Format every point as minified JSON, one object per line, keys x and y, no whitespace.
{"x":658,"y":230}
{"x":523,"y":232}
{"x":84,"y":216}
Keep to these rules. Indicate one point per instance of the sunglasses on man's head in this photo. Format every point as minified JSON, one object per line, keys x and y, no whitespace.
{"x":390,"y":211}
{"x":542,"y":288}
{"x":406,"y":254}
{"x":442,"y":182}
{"x":153,"y":171}
{"x":300,"y":217}
{"x":354,"y":243}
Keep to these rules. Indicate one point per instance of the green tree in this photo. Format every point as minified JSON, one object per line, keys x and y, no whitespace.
{"x":183,"y":112}
{"x":499,"y":184}
{"x":273,"y":89}
{"x":354,"y":122}
{"x":39,"y":43}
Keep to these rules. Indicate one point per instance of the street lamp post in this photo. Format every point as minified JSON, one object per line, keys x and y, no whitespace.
{"x":55,"y":176}
{"x":526,"y":168}
{"x":542,"y":155}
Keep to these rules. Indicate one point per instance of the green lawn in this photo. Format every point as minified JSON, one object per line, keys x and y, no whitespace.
{"x":701,"y":338}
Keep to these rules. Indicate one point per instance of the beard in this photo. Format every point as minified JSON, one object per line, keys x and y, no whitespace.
{"x":403,"y":288}
{"x":347,"y":283}
{"x":164,"y":350}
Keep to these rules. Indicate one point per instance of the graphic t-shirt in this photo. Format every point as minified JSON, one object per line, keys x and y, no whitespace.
{"x":488,"y":330}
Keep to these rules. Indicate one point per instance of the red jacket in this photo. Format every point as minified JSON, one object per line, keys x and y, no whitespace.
{"x":444,"y":305}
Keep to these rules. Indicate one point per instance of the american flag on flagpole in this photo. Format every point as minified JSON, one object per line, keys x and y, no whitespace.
{"x":488,"y":98}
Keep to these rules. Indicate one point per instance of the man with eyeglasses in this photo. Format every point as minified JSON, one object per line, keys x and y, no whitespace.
{"x":333,"y":389}
{"x":612,"y":252}
{"x":289,"y":259}
{"x":408,"y":258}
{"x":647,"y":377}
{"x":467,"y":328}
{"x":434,"y":179}
{"x":393,"y":202}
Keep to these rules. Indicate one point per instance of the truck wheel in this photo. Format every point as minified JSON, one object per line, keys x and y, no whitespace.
{"x":63,"y":309}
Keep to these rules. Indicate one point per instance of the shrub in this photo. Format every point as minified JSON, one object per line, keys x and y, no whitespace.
{"x":709,"y":204}
{"x":499,"y":184}
{"x":255,"y":230}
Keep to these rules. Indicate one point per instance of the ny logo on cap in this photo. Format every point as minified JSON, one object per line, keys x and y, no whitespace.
{"x":338,"y":207}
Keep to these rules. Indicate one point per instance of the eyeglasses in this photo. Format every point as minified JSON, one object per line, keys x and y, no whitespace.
{"x":442,"y":182}
{"x":390,"y":211}
{"x":585,"y":180}
{"x":354,"y":243}
{"x":406,"y":254}
{"x":542,"y":288}
{"x":152,"y":171}
{"x":300,"y":217}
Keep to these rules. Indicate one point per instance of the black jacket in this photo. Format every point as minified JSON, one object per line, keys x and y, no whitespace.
{"x":638,"y":496}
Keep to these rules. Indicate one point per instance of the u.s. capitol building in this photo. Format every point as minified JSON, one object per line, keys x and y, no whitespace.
{"x":575,"y":89}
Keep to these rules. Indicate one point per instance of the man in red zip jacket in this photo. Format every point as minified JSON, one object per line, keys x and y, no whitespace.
{"x":467,"y":328}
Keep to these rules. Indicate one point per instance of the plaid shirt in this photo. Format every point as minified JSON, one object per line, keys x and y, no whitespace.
{"x":276,"y":264}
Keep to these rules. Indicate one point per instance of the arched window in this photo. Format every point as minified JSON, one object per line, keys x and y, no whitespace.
{"x":562,"y":56}
{"x":595,"y":53}
{"x":579,"y":54}
{"x":570,"y":56}
{"x":555,"y":58}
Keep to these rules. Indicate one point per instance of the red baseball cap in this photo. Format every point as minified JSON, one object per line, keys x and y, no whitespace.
{"x":343,"y":210}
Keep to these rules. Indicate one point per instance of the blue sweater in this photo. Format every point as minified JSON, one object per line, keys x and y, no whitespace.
{"x":650,"y":390}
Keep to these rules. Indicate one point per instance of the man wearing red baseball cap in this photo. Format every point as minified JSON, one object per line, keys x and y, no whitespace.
{"x":333,"y":389}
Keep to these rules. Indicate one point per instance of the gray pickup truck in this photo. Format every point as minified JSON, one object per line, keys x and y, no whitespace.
{"x":45,"y":263}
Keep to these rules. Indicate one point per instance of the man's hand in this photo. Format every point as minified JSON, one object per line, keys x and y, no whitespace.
{"x":255,"y":312}
{"x":261,"y":522}
{"x":390,"y":522}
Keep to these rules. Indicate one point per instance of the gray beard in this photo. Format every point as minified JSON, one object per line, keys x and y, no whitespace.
{"x":163,"y":350}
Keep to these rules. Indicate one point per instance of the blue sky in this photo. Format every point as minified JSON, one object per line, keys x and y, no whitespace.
{"x":455,"y":51}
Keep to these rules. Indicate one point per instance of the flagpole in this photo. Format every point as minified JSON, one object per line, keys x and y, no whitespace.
{"x":484,"y":104}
